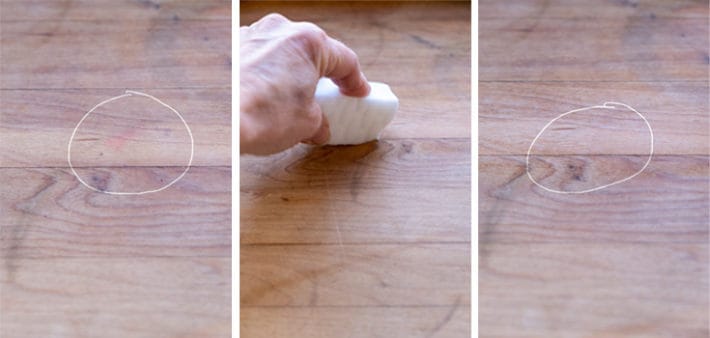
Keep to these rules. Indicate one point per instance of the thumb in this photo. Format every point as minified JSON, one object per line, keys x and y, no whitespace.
{"x":322,"y":135}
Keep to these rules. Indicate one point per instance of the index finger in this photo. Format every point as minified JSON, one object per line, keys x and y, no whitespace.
{"x":342,"y":66}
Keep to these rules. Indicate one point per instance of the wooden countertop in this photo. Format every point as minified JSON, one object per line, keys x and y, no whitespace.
{"x":370,"y":240}
{"x":77,"y":263}
{"x":627,"y":261}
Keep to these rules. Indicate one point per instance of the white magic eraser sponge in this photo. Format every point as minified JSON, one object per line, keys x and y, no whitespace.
{"x":355,"y":120}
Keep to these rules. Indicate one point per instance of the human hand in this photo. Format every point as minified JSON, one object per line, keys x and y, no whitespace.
{"x":281,"y":63}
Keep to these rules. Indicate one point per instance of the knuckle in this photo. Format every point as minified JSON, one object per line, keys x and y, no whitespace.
{"x":309,"y":26}
{"x":271,"y":20}
{"x":350,"y":54}
{"x":310,"y":32}
{"x":275,"y":17}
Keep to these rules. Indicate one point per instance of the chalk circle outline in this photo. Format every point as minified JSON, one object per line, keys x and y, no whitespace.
{"x":127,"y":94}
{"x":606,"y":105}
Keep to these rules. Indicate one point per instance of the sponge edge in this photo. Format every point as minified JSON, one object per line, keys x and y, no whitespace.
{"x":355,"y":120}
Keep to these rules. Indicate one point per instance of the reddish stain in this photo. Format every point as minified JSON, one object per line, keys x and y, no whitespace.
{"x":117,"y":142}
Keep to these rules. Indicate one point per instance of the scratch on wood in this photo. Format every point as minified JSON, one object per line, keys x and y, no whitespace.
{"x":628,"y":3}
{"x":252,"y":296}
{"x":447,"y":318}
{"x":356,"y":181}
{"x":536,"y":22}
{"x":19,"y":231}
{"x":491,"y":218}
{"x":332,"y":218}
{"x":56,"y":24}
{"x":149,"y":3}
{"x":424,"y":41}
{"x":361,"y":152}
{"x":314,"y":294}
{"x":379,"y":47}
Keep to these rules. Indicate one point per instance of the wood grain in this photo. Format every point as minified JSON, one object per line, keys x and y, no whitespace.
{"x":594,"y":290}
{"x":105,"y":10}
{"x":35,"y":127}
{"x":511,"y":115}
{"x":355,"y":275}
{"x":627,"y":261}
{"x":77,"y":263}
{"x":323,"y":227}
{"x":370,"y":240}
{"x":47,"y":213}
{"x":666,"y":203}
{"x":584,"y":9}
{"x":377,"y":322}
{"x":116,"y":54}
{"x":643,"y":48}
{"x":116,"y":297}
{"x":367,"y":190}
